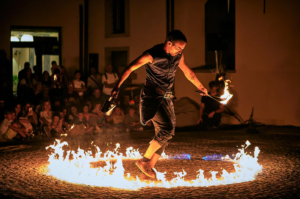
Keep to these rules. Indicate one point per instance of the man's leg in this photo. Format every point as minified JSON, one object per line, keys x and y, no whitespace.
{"x":164,"y":123}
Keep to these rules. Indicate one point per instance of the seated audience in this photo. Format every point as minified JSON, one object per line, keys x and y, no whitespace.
{"x":73,"y":114}
{"x":17,"y":110}
{"x":6,"y":124}
{"x":100,"y":116}
{"x":94,"y":81}
{"x":109,"y":80}
{"x":132,"y":121}
{"x":79,"y":86}
{"x":210,"y":110}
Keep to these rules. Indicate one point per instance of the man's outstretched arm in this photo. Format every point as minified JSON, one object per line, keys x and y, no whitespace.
{"x":190,"y":75}
{"x":138,"y":62}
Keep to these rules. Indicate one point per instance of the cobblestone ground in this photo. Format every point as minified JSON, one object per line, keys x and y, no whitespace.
{"x":21,"y":176}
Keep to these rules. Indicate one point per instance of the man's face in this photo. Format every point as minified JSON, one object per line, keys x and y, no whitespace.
{"x":131,"y":111}
{"x":77,"y":76}
{"x":85,"y":109}
{"x":9,"y":116}
{"x":176,"y":47}
{"x":109,"y":68}
{"x":56,"y":119}
{"x":97,"y":93}
{"x":93,"y":71}
{"x":214,"y":88}
{"x":80,"y":116}
{"x":74,"y":110}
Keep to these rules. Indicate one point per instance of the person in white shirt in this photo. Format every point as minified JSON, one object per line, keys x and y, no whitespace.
{"x":79,"y":86}
{"x":94,"y":80}
{"x":109,"y":80}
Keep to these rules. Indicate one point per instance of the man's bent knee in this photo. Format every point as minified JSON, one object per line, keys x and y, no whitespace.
{"x":162,"y":137}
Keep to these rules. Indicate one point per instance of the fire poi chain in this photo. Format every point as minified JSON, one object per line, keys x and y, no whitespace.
{"x":78,"y":169}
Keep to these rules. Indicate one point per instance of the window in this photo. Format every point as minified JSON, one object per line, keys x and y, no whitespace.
{"x":117,"y":18}
{"x":220,"y":33}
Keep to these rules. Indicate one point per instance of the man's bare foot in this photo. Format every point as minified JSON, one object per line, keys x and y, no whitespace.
{"x":145,"y":167}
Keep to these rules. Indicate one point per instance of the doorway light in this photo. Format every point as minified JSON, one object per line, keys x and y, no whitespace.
{"x":27,"y":38}
{"x":14,"y":39}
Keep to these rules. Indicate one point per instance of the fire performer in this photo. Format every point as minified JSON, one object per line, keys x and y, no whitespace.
{"x":161,"y":62}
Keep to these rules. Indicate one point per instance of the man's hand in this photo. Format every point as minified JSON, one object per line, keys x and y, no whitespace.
{"x":211,"y":114}
{"x":204,"y":90}
{"x":115,"y":92}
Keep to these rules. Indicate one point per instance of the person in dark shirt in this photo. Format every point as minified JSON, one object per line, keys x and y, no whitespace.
{"x":71,"y":96}
{"x":97,"y":97}
{"x":156,"y":105}
{"x":210,"y":109}
{"x":22,"y":73}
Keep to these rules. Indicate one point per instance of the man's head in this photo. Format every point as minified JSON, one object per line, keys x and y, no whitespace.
{"x":97,"y":92}
{"x":26,"y":65}
{"x":213,"y":85}
{"x":77,"y":74}
{"x":56,"y":117}
{"x":175,"y":42}
{"x":109,"y":68}
{"x":85,"y":108}
{"x":131,"y":110}
{"x":53,"y":63}
{"x":93,"y":71}
{"x":8,"y":114}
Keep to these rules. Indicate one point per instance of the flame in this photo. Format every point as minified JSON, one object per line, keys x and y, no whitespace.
{"x":78,"y":169}
{"x":226,"y":96}
{"x":64,"y":135}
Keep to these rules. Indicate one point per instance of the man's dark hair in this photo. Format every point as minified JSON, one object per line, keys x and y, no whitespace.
{"x":77,"y":71}
{"x":55,"y":114}
{"x":8,"y":111}
{"x":176,"y":35}
{"x":53,"y":62}
{"x":212,"y":84}
{"x":26,"y":65}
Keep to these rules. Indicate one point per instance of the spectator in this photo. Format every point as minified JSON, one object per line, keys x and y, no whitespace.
{"x":29,"y":114}
{"x":80,"y":126}
{"x":37,"y":75}
{"x":36,"y":95}
{"x":210,"y":110}
{"x":71,"y":97}
{"x":90,"y":122}
{"x":118,"y":118}
{"x":73,"y":114}
{"x":22,"y":73}
{"x":100,"y":116}
{"x":109,"y":80}
{"x":79,"y":86}
{"x":17,"y":110}
{"x":54,"y":66}
{"x":57,"y":105}
{"x":56,"y":91}
{"x":46,"y":117}
{"x":56,"y":126}
{"x":94,"y":80}
{"x":97,"y":97}
{"x":46,"y":80}
{"x":25,"y":85}
{"x":132,"y":121}
{"x":63,"y":77}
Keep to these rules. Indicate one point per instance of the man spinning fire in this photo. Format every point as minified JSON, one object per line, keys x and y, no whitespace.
{"x":161,"y":62}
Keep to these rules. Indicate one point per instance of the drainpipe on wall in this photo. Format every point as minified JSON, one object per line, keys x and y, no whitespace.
{"x":86,"y":36}
{"x":81,"y":38}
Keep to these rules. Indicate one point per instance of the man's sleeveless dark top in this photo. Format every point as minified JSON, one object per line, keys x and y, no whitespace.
{"x":161,"y":71}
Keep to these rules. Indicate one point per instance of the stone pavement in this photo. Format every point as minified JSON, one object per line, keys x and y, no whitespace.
{"x":21,"y":175}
